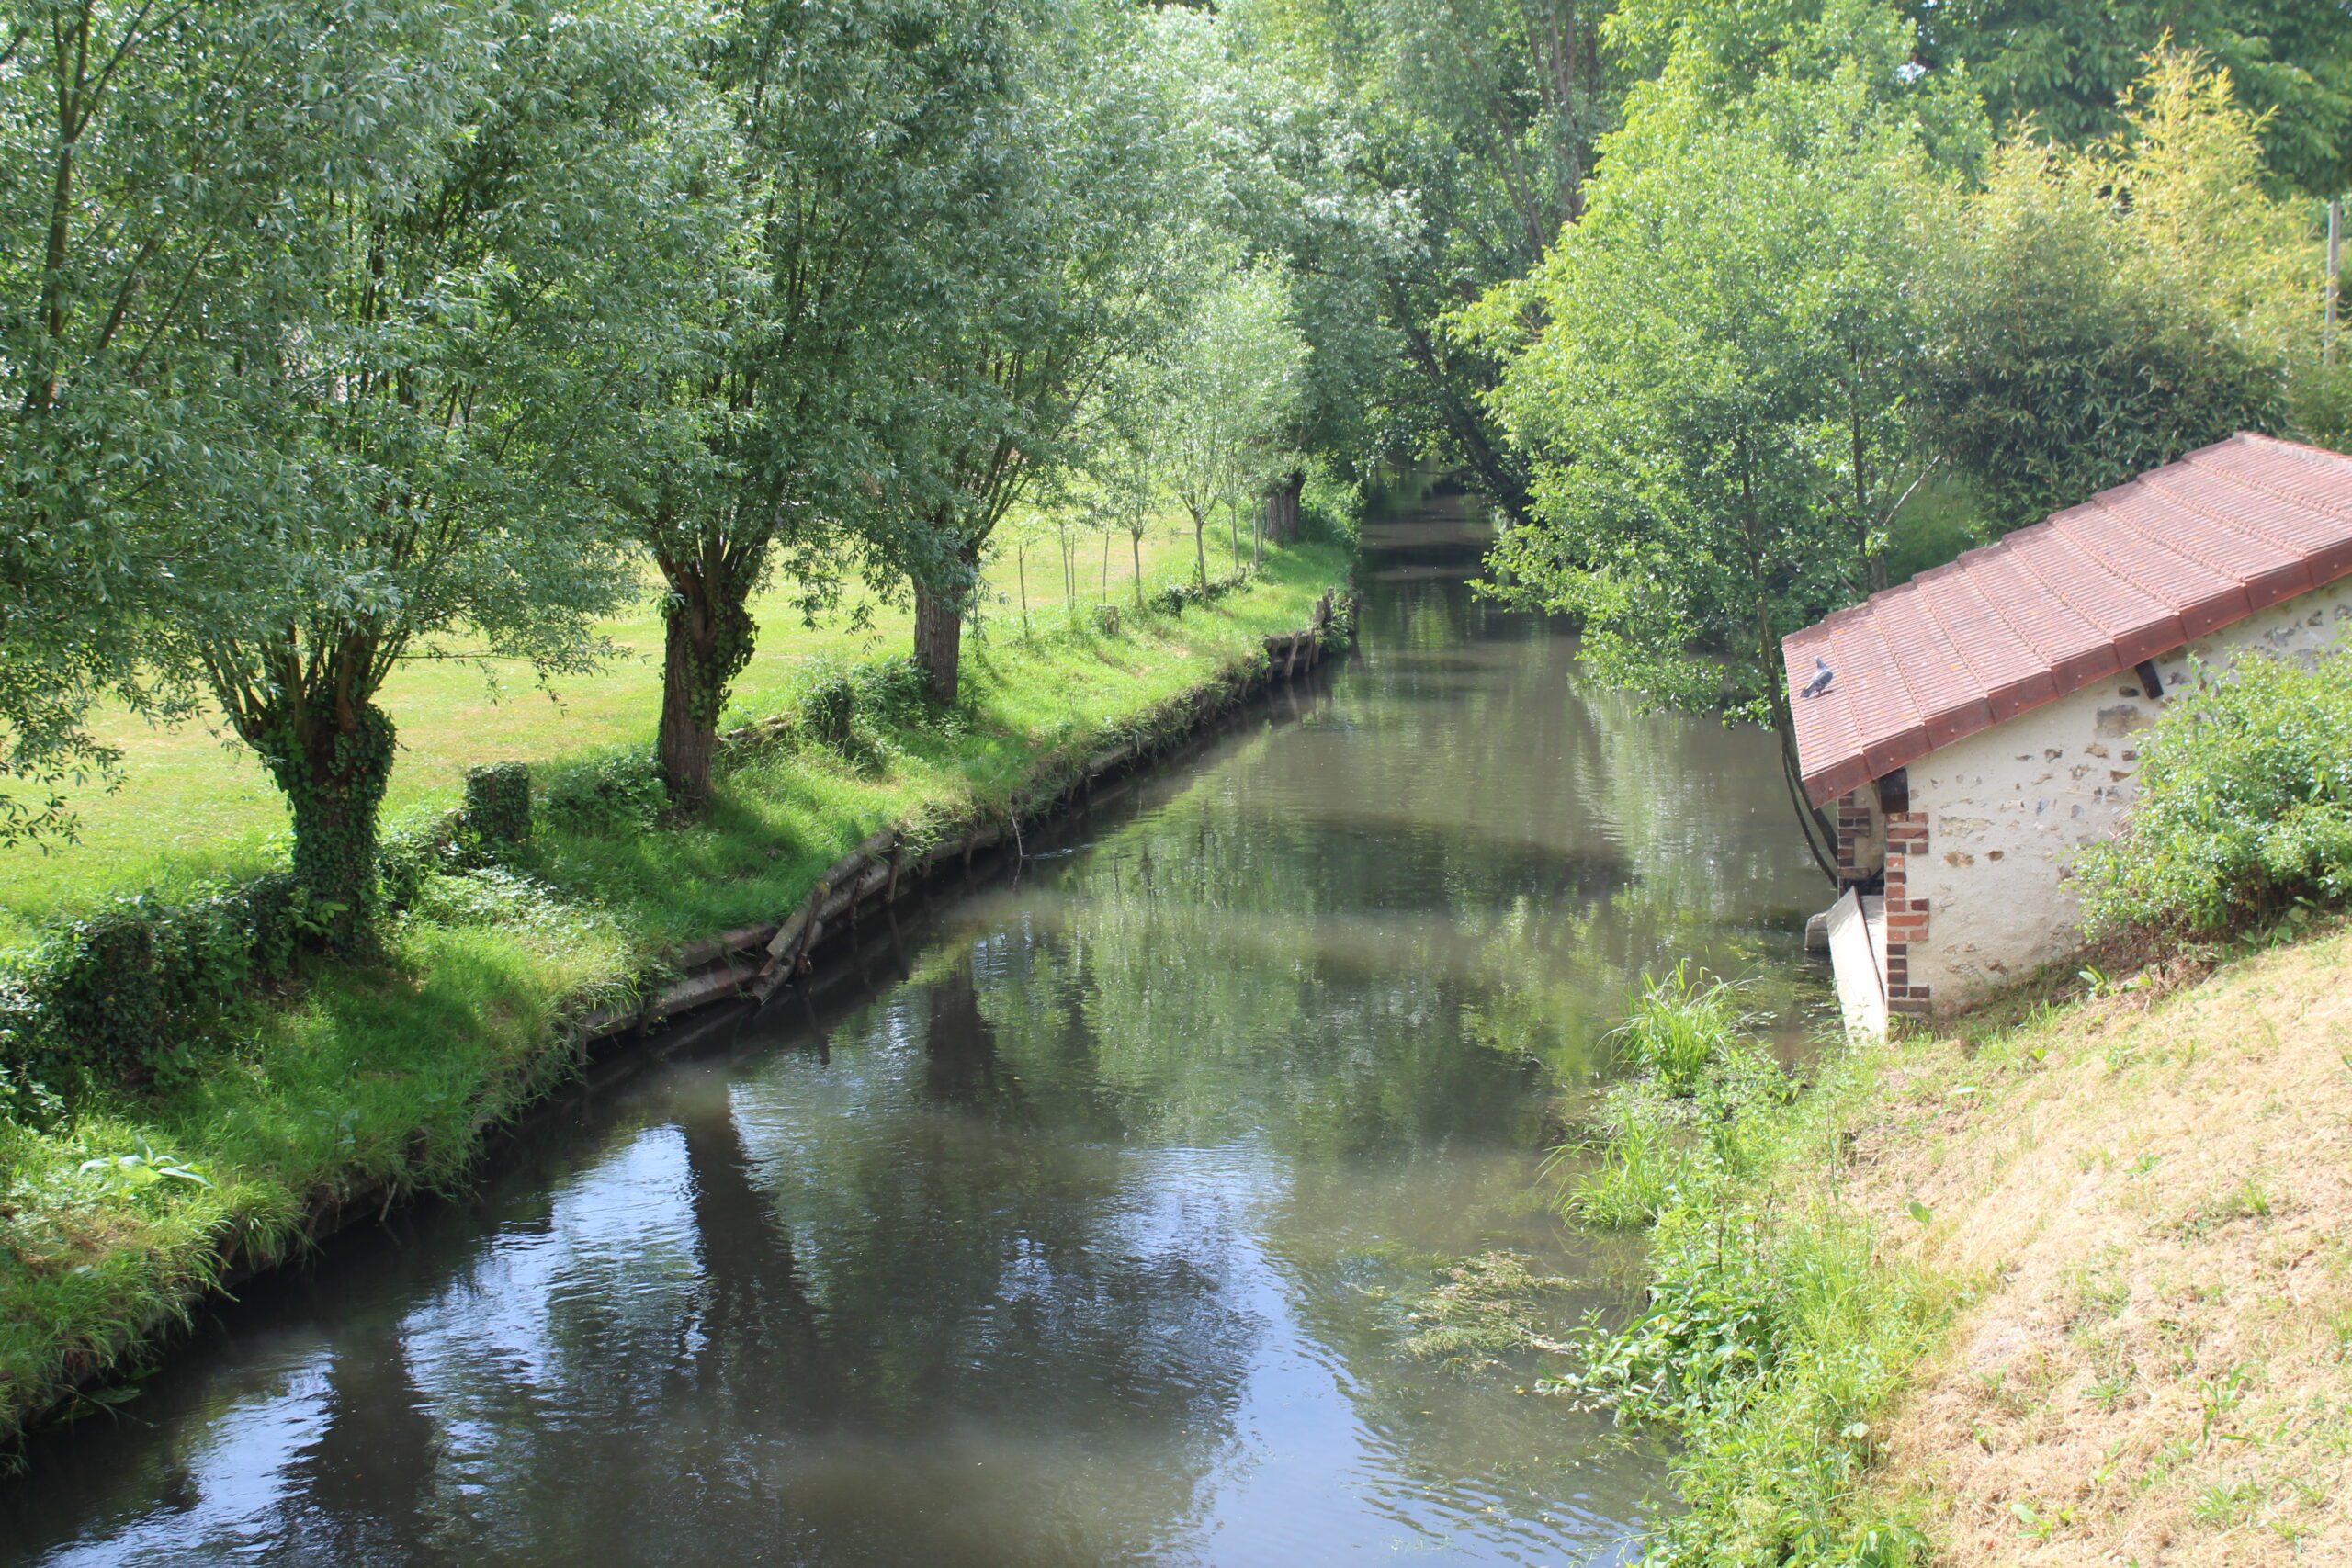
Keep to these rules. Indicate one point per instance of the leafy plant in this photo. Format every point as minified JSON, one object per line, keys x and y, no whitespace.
{"x":2245,"y":805}
{"x":123,"y":1174}
{"x":609,"y":794}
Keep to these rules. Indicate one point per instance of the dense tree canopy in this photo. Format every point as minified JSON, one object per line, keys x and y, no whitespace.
{"x":346,"y":333}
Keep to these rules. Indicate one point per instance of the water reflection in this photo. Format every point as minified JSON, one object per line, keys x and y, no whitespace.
{"x":1071,"y":1247}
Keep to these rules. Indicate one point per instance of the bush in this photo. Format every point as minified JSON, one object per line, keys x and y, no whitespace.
{"x":498,"y":803}
{"x":602,"y":793}
{"x":119,"y":997}
{"x":1331,"y":508}
{"x":889,"y":693}
{"x":2244,"y":806}
{"x":1173,"y":599}
{"x":829,"y":703}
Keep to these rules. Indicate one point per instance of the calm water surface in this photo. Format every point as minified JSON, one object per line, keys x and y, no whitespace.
{"x":1070,"y":1238}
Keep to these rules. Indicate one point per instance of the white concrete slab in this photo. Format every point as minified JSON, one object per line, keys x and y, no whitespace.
{"x":1856,"y":958}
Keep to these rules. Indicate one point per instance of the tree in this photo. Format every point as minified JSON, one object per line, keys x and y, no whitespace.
{"x":2068,"y":68}
{"x":1225,"y":396}
{"x":421,"y":375}
{"x":144,"y":153}
{"x":768,"y":397}
{"x":1078,"y":256}
{"x":1449,"y":144}
{"x":1708,"y":375}
{"x":2100,"y":311}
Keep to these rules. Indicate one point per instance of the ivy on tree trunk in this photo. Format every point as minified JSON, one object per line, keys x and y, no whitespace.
{"x":708,"y":637}
{"x":330,"y":749}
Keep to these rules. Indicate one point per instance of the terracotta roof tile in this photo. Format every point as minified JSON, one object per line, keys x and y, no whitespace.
{"x":2135,"y":571}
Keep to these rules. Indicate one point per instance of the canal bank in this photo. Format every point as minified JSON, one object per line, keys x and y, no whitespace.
{"x":293,"y":1115}
{"x":1080,"y":1235}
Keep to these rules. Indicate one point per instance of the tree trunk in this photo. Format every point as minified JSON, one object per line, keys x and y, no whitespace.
{"x":939,"y":640}
{"x":1282,"y":508}
{"x":334,"y":759}
{"x":1200,"y":549}
{"x":707,"y":637}
{"x":688,"y":736}
{"x":1135,"y":542}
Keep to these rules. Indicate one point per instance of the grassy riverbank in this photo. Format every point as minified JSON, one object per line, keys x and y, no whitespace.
{"x":385,"y":1077}
{"x":2068,"y":1281}
{"x":190,"y":803}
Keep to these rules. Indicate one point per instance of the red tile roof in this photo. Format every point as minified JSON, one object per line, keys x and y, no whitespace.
{"x":2133,"y":572}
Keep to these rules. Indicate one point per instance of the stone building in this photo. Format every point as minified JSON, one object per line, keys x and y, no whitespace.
{"x":1978,"y":729}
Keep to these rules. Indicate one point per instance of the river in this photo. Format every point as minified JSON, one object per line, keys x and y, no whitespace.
{"x":1079,"y":1232}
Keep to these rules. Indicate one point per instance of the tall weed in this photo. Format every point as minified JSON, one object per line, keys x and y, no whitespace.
{"x":1770,"y":1333}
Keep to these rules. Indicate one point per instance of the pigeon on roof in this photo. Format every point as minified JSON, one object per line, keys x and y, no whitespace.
{"x":1822,"y":676}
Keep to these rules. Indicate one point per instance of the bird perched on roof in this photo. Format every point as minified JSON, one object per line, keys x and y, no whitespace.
{"x":1822,"y":676}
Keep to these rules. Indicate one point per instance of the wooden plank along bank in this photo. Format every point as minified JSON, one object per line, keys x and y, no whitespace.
{"x":758,"y":961}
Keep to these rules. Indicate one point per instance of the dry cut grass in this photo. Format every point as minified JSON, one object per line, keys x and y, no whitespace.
{"x":2150,"y":1201}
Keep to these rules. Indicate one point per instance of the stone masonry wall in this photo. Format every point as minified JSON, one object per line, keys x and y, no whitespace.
{"x":1998,"y":819}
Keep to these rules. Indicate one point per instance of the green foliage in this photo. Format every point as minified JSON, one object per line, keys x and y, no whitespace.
{"x":608,"y":794}
{"x":2069,"y":67}
{"x":1446,"y":147}
{"x":2245,"y":804}
{"x":1223,"y":400}
{"x":1682,"y":1028}
{"x":136,"y":1172}
{"x":1177,"y":597}
{"x":127,"y":994}
{"x":148,"y":159}
{"x":498,"y":803}
{"x":1771,"y":1335}
{"x":881,"y":694}
{"x":1331,"y":508}
{"x":2100,"y":312}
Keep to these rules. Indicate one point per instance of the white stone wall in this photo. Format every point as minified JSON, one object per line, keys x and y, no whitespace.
{"x":2010,"y":809}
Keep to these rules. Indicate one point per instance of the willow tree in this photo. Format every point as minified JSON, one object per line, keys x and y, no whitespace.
{"x":146,"y":153}
{"x":1081,"y":249}
{"x":833,"y":176}
{"x":421,"y":376}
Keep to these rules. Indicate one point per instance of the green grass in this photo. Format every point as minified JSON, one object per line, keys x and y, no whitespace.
{"x":195,"y":804}
{"x":386,"y":1075}
{"x":1770,"y":1338}
{"x":1937,"y":522}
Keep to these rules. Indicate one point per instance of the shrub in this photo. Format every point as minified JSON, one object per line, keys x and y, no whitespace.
{"x":1329,"y":508}
{"x":119,"y":997}
{"x":418,"y":849}
{"x":829,"y":703}
{"x":887,"y":694}
{"x":2245,"y":804}
{"x":1173,"y":599}
{"x":498,"y":803}
{"x":602,"y":793}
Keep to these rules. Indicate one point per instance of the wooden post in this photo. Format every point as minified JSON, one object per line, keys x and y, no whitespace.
{"x":2334,"y":256}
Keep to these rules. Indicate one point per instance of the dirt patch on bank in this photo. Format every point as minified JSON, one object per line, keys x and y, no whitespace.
{"x":2151,"y":1204}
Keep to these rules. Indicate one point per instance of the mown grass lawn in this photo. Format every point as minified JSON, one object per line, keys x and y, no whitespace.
{"x":192,"y":804}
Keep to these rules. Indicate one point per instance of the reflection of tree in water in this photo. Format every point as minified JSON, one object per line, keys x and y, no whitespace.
{"x":363,"y":1492}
